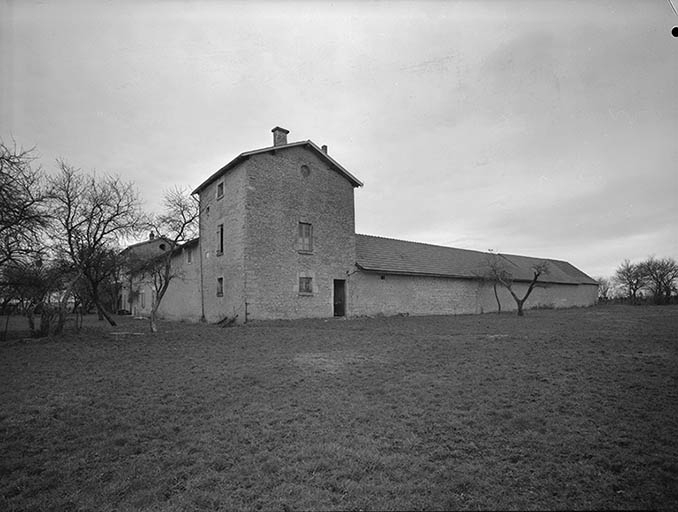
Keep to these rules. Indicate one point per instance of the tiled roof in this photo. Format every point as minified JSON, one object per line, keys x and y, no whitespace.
{"x":243,"y":156}
{"x":390,"y":256}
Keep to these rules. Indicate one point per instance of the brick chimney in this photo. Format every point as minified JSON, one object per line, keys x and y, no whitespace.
{"x":279,"y":136}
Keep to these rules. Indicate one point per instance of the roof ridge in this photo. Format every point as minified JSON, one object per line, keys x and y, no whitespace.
{"x":271,"y":148}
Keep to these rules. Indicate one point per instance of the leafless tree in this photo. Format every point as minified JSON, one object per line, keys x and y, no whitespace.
{"x":661,"y":275}
{"x":37,"y":285}
{"x":494,"y":270}
{"x":92,"y":216}
{"x":497,"y":272}
{"x":22,"y":213}
{"x":604,"y":288}
{"x":177,"y":224}
{"x":632,"y":277}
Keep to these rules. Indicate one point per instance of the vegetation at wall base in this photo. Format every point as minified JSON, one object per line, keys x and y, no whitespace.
{"x":569,"y":409}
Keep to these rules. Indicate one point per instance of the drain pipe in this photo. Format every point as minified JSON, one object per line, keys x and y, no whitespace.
{"x":202,"y":274}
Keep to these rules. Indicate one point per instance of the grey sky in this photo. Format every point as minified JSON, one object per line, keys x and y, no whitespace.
{"x":545,"y":128}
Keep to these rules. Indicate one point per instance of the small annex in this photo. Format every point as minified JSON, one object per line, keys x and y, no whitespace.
{"x":277,"y":241}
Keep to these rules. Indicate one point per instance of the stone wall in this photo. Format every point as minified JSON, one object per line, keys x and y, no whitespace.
{"x":182,"y":299}
{"x":227,"y":210}
{"x":369,"y":294}
{"x":285,"y":188}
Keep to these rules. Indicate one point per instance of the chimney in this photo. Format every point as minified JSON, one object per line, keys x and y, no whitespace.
{"x":324,"y":148}
{"x":279,"y":136}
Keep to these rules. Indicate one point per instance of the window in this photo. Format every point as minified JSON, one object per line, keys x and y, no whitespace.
{"x":306,"y":285}
{"x":189,"y":255}
{"x":305,"y":237}
{"x":142,"y":299}
{"x":220,"y":286}
{"x":220,"y":190}
{"x":220,"y":239}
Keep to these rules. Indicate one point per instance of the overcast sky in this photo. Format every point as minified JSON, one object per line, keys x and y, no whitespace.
{"x":544,"y":128}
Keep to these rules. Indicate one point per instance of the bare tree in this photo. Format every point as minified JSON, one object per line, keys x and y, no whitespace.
{"x":92,"y":215}
{"x":22,"y":215}
{"x":498,"y":274}
{"x":631,"y":276}
{"x":604,"y":288}
{"x":37,"y":285}
{"x":495,"y":270}
{"x":177,"y":224}
{"x":661,"y":275}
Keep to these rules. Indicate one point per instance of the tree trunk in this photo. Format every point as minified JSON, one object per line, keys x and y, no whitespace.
{"x":78,"y":319}
{"x":30,"y":311}
{"x":102,"y":311}
{"x":46,"y":317}
{"x":4,"y":336}
{"x":496,"y":296}
{"x":154,"y":319}
{"x":61,"y":318}
{"x":156,"y":302}
{"x":520,"y":307}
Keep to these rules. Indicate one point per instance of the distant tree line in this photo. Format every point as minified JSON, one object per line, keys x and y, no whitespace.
{"x":653,"y":280}
{"x":61,"y":236}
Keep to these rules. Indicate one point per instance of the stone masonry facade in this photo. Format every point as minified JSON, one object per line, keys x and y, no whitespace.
{"x":222,"y":245}
{"x":285,"y":189}
{"x":380,"y":294}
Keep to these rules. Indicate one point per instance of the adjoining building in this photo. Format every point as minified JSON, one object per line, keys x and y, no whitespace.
{"x":277,"y":240}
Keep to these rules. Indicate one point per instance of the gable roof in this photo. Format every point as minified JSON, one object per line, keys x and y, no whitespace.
{"x":140,"y":245}
{"x":310,"y":144}
{"x":390,"y":256}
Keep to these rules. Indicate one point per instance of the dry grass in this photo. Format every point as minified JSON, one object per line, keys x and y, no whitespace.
{"x":567,"y":409}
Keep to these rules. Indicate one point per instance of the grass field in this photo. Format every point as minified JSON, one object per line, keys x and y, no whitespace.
{"x":571,"y":409}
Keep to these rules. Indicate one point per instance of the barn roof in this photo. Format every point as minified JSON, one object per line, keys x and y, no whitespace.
{"x":390,"y":256}
{"x":308,"y":143}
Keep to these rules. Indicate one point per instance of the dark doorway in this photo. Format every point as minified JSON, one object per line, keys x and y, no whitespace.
{"x":339,"y":297}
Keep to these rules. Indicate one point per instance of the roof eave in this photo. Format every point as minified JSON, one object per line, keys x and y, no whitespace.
{"x":377,"y":270}
{"x":240,"y":158}
{"x":354,"y":181}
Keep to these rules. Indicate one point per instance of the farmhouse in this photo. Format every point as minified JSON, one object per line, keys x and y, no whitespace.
{"x":277,"y":240}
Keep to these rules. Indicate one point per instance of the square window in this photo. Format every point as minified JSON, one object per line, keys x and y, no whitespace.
{"x":305,"y":240}
{"x":220,"y":190}
{"x":306,"y":285}
{"x":220,"y":286}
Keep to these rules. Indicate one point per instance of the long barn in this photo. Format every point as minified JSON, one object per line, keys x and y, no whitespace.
{"x":277,"y":240}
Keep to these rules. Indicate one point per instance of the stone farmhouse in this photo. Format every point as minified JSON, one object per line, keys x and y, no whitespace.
{"x":277,"y":241}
